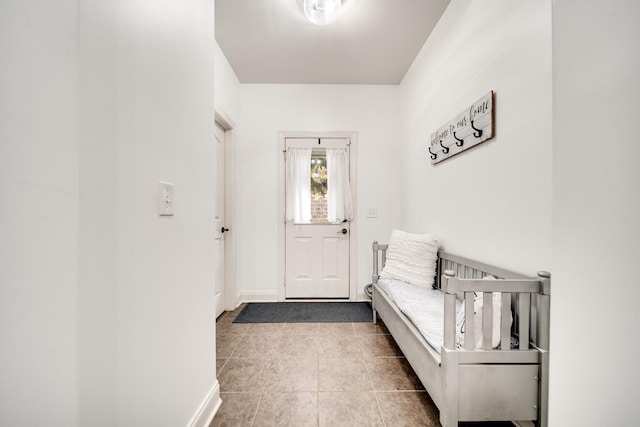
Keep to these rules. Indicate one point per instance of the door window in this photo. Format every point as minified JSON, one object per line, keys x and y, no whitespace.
{"x":319,"y":186}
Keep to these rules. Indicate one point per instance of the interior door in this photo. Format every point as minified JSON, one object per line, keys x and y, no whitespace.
{"x":317,"y":250}
{"x":219,"y":242}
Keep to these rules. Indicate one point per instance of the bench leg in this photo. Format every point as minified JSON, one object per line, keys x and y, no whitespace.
{"x":448,"y":422}
{"x":373,"y":307}
{"x":449,"y":412}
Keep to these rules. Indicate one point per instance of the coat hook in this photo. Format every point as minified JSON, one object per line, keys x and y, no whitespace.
{"x":445,"y":150}
{"x":478,"y":132}
{"x":459,"y":142}
{"x":433,"y":155}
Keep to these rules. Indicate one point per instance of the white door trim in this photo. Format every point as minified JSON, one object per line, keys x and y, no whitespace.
{"x":281,"y":205}
{"x":232,"y":298}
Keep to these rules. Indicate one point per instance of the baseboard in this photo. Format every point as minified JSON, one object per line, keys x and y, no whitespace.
{"x":208,"y":408}
{"x":259,"y":297}
{"x":361,"y":296}
{"x":273,"y":297}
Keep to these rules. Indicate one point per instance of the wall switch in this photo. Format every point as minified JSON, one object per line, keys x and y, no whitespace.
{"x":372,"y":212}
{"x":165,"y":199}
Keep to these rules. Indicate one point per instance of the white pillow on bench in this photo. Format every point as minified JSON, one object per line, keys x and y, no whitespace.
{"x":478,"y":308}
{"x":411,"y":258}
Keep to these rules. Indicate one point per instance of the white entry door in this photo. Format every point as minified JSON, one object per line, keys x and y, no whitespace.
{"x":318,"y":220}
{"x":219,"y":245}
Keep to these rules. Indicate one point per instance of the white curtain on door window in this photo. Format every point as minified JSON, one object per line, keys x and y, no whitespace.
{"x":339,"y":203}
{"x":298,"y":185}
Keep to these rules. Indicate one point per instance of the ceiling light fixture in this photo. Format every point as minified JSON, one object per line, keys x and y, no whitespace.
{"x":322,"y":12}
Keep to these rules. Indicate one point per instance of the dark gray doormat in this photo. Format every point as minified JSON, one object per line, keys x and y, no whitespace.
{"x":304,"y":312}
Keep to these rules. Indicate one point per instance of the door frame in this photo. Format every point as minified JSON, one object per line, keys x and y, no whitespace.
{"x":282,"y":136}
{"x":231,"y":296}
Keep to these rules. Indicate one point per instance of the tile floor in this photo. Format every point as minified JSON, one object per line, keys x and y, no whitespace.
{"x":317,"y":374}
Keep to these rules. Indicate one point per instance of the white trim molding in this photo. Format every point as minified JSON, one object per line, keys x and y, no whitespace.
{"x":208,"y":409}
{"x":230,"y":213}
{"x":258,"y":297}
{"x":362,"y":297}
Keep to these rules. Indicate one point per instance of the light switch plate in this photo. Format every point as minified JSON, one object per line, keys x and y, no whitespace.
{"x":165,"y":198}
{"x":372,"y":212}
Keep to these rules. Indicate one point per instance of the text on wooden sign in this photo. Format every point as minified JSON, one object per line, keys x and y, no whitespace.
{"x":466,"y":130}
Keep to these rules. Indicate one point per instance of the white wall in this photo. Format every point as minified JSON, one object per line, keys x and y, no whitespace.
{"x":577,"y":224}
{"x":371,"y":111}
{"x":98,"y":230}
{"x":492,"y":202}
{"x":596,"y":199}
{"x":39,"y":215}
{"x":159,"y":106}
{"x":227,"y":86}
{"x":107,"y":309}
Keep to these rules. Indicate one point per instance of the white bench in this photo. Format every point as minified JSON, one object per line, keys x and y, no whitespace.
{"x":470,"y":384}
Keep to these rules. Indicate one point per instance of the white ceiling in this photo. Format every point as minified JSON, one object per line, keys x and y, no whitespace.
{"x":372,"y":41}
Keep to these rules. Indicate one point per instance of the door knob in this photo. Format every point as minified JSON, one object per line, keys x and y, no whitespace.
{"x":222,"y":230}
{"x":343,"y":231}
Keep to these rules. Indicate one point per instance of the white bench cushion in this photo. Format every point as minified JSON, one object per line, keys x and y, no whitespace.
{"x":423,"y":306}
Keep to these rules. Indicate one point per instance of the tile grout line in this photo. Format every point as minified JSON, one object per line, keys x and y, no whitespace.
{"x":318,"y":385}
{"x":364,"y":350}
{"x":222,"y":367}
{"x":235,"y":347}
{"x":255,"y":414}
{"x":267,"y":365}
{"x":353,"y":329}
{"x":375,"y":395}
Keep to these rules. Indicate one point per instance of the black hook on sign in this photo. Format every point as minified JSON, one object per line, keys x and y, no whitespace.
{"x":433,"y":155}
{"x":459,"y":142}
{"x":478,"y":132}
{"x":445,"y":150}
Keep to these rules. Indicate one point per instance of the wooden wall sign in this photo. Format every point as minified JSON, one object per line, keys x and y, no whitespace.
{"x":466,"y":130}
